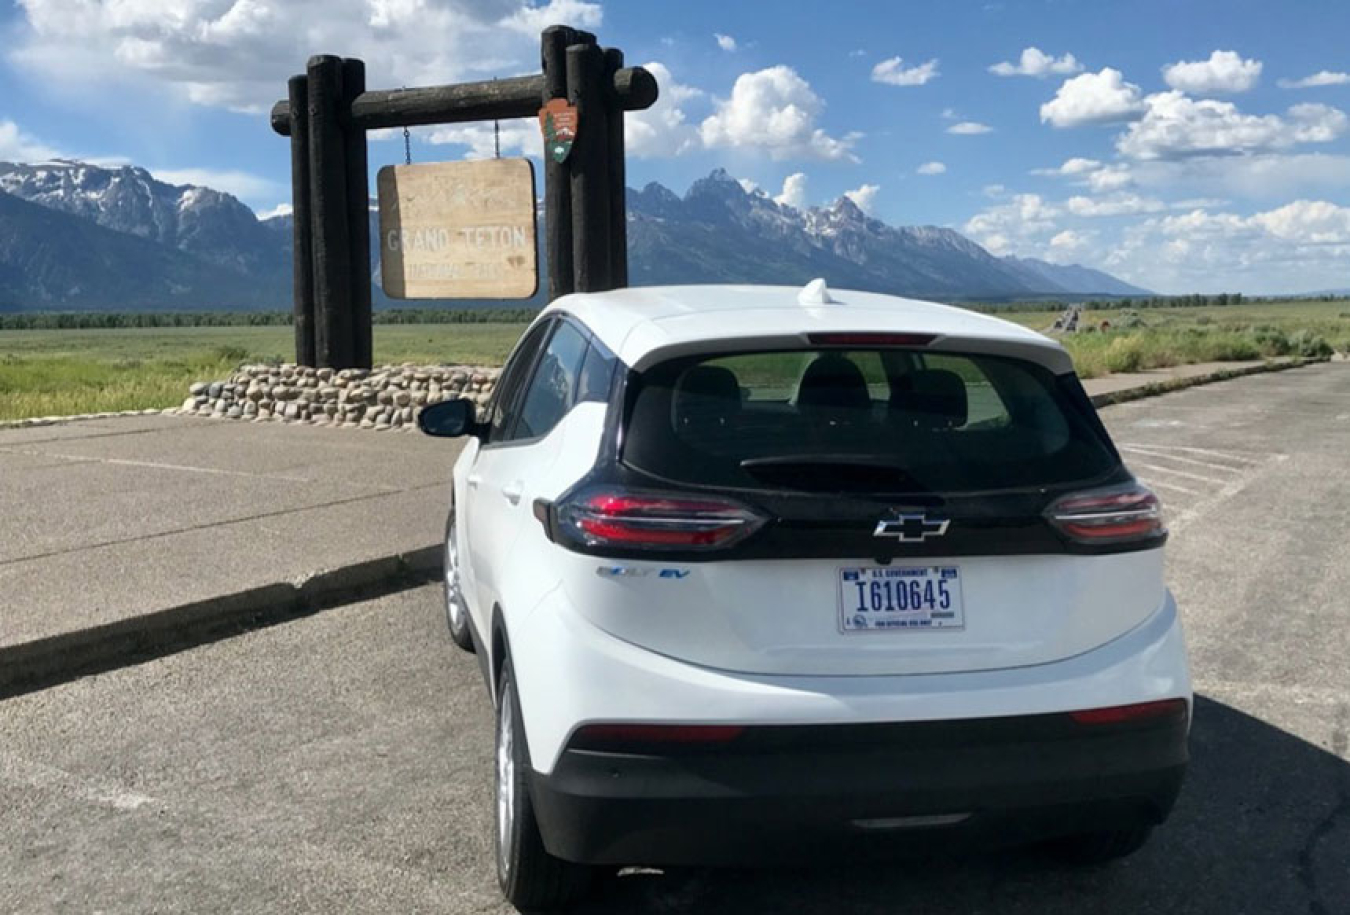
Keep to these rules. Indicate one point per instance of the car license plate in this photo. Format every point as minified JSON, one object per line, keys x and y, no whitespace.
{"x":876,"y":598}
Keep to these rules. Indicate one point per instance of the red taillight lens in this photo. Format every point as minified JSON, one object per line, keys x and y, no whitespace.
{"x":1140,"y":711}
{"x":864,"y":338}
{"x":655,"y":521}
{"x":1118,"y":514}
{"x":616,"y":737}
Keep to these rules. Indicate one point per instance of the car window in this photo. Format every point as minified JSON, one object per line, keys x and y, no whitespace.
{"x":552,"y":390}
{"x":597,"y":373}
{"x":505,"y":396}
{"x":865,"y":420}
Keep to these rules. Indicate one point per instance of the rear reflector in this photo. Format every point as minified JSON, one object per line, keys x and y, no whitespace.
{"x":618,"y":737}
{"x":863,"y":338}
{"x":1140,"y":711}
{"x":1116,"y":514}
{"x":613,"y":517}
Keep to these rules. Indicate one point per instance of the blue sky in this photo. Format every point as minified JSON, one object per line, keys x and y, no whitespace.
{"x":1185,"y":146}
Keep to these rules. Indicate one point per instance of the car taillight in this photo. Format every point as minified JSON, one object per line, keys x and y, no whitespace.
{"x":654,"y":521}
{"x":1139,"y":711}
{"x":619,"y":737}
{"x":1117,"y":514}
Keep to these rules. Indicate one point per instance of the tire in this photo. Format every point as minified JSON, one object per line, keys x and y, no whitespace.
{"x":456,"y":610}
{"x":530,"y":878}
{"x":1096,"y":848}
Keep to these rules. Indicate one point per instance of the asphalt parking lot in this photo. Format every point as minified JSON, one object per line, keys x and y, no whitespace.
{"x":342,"y":762}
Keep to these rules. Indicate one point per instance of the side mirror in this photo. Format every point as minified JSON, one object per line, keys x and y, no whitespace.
{"x":450,"y":419}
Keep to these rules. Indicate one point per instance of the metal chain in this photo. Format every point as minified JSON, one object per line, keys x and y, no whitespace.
{"x":407,"y":143}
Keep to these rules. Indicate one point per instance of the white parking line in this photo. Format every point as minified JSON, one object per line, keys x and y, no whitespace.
{"x":1183,"y":460}
{"x":25,"y":773}
{"x":1180,"y":473}
{"x":1163,"y":485}
{"x":1231,"y":455}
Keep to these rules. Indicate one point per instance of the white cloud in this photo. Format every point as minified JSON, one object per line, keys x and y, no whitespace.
{"x":725,"y":42}
{"x":241,"y":184}
{"x":528,"y":18}
{"x":1176,"y":125}
{"x":238,"y":54}
{"x":1110,"y":178}
{"x":969,"y":128}
{"x":1094,"y":98}
{"x":1067,"y":245}
{"x":774,"y":111}
{"x":794,"y":192}
{"x":1225,"y":71}
{"x":1035,"y":62}
{"x":1091,"y":173}
{"x":17,"y":146}
{"x":1320,"y":78}
{"x":931,"y":168}
{"x":892,"y":72}
{"x":865,"y":197}
{"x":520,"y":138}
{"x":1275,"y":177}
{"x":1114,"y":205}
{"x":1015,"y":225}
{"x":663,"y":129}
{"x":857,"y":52}
{"x":1298,"y":246}
{"x":281,"y":209}
{"x":950,"y":114}
{"x":750,"y":187}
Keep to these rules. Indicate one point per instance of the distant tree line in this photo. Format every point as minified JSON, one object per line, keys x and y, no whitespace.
{"x":109,"y":320}
{"x":1195,"y":300}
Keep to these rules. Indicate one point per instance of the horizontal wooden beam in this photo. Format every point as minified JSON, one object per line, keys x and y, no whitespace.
{"x":500,"y":99}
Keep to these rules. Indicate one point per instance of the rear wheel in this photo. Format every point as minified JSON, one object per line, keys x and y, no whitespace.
{"x":456,"y":610}
{"x":530,"y":878}
{"x":1094,"y":848}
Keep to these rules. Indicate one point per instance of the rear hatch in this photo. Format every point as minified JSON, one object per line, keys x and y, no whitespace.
{"x":861,"y":510}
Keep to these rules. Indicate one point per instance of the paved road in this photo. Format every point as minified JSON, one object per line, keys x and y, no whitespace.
{"x":341,"y":762}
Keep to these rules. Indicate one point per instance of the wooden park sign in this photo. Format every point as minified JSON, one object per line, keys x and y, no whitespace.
{"x":458,"y":230}
{"x":579,"y":98}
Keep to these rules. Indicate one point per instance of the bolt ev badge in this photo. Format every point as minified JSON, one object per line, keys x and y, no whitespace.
{"x":911,"y":527}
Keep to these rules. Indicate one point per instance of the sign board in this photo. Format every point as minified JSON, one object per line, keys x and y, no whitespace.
{"x":458,"y":230}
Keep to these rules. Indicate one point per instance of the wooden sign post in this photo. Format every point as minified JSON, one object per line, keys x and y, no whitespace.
{"x":458,"y":230}
{"x":443,"y":246}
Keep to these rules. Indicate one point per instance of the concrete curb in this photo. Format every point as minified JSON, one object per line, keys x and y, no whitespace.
{"x":1172,"y":385}
{"x":39,"y":664}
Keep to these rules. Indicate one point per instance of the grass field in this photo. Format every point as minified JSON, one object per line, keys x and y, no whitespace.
{"x":61,"y":372}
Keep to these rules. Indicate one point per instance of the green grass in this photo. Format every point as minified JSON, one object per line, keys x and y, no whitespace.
{"x":62,"y":372}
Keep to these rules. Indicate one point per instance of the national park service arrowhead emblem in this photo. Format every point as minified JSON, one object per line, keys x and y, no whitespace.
{"x":558,"y":120}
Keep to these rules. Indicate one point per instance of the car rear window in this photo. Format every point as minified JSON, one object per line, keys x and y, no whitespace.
{"x":880,"y":420}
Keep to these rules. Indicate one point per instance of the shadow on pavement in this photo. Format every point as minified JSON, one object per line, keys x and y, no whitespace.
{"x":1263,"y":826}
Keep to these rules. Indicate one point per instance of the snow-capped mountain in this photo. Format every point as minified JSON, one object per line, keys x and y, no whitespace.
{"x":200,"y":221}
{"x":76,"y":235}
{"x":719,"y":231}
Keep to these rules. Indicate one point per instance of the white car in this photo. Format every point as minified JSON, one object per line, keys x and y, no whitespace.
{"x":758,"y":572}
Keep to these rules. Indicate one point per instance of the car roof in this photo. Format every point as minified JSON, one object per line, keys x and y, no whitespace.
{"x":646,"y":324}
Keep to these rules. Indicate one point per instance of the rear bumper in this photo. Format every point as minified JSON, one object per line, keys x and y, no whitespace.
{"x":787,"y":792}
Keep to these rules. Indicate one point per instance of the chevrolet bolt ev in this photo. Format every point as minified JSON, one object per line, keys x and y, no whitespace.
{"x":755,"y":572}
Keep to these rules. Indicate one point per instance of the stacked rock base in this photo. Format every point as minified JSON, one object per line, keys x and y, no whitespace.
{"x":386,"y":397}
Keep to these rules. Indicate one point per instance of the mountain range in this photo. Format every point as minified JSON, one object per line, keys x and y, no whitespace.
{"x":77,"y":236}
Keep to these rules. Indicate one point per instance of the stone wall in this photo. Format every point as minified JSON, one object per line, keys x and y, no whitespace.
{"x":387,"y":397}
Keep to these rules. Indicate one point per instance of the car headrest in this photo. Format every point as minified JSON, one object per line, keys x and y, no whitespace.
{"x":833,"y":382}
{"x":936,"y":399}
{"x":706,"y":394}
